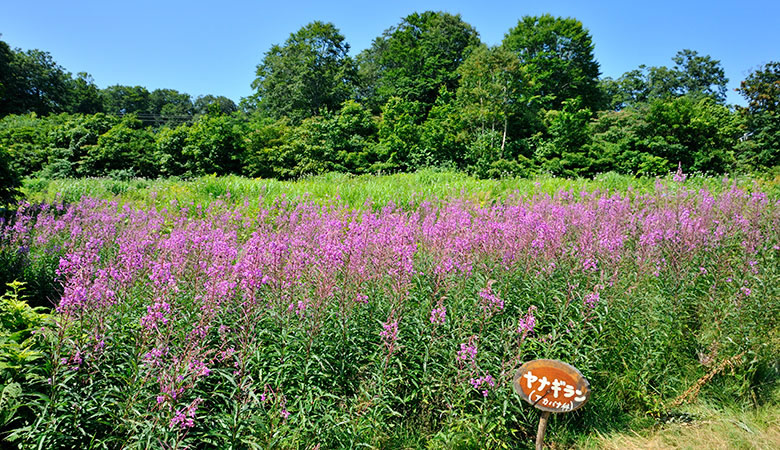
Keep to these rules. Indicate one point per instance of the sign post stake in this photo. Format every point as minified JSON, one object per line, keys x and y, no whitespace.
{"x":552,"y":387}
{"x":542,"y":429}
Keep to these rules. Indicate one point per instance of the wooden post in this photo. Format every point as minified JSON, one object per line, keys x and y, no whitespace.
{"x":533,"y":377}
{"x":542,"y":428}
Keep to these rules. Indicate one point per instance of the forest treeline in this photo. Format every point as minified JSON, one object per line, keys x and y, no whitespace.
{"x":427,"y":92}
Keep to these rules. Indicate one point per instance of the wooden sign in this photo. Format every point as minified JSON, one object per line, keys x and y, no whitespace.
{"x":551,"y":386}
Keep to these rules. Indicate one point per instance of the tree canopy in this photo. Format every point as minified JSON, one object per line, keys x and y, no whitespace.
{"x":426,"y":93}
{"x":760,"y":144}
{"x":557,"y":53}
{"x":692,"y":75}
{"x":415,"y":58}
{"x":312,"y":71}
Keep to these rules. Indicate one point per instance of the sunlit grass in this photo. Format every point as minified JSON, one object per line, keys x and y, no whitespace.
{"x":405,"y":189}
{"x":710,"y":428}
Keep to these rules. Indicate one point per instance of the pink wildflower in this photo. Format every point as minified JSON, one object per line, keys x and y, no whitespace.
{"x":491,"y":303}
{"x":527,"y":323}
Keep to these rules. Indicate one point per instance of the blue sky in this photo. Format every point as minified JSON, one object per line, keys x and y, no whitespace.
{"x":207,"y":47}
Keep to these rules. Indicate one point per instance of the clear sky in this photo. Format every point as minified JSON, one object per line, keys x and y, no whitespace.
{"x":212,"y":47}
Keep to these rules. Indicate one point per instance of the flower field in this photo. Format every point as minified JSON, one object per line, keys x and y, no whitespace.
{"x":317,"y":324}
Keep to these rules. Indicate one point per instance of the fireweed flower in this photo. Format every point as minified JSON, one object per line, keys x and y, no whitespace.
{"x":679,"y":176}
{"x":527,"y":323}
{"x":199,"y":368}
{"x":592,"y":298}
{"x":154,"y":356}
{"x":389,"y":335}
{"x":226,"y":260}
{"x":185,"y":418}
{"x":468,"y":352}
{"x":483,"y":384}
{"x":490,"y":302}
{"x":439,"y":314}
{"x":156,"y":315}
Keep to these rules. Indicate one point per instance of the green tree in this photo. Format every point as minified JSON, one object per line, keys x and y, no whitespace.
{"x":223,"y":104}
{"x":269,"y":154}
{"x":342,"y":141}
{"x":120,"y":99}
{"x":26,"y":139}
{"x":8,"y":87}
{"x":351,"y":138}
{"x":700,"y":75}
{"x":655,"y":137}
{"x":492,"y":90}
{"x":9,"y":178}
{"x":85,"y":96}
{"x":71,"y":141}
{"x":399,"y":134}
{"x":415,"y":58}
{"x":169,"y":144}
{"x":169,"y":102}
{"x":310,"y":72}
{"x":563,"y":149}
{"x":443,"y":135}
{"x":38,"y":83}
{"x":760,"y":144}
{"x":127,"y":148}
{"x":557,"y":55}
{"x":692,"y":75}
{"x":215,"y":145}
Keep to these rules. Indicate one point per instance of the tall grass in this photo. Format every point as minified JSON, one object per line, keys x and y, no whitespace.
{"x":401,"y":189}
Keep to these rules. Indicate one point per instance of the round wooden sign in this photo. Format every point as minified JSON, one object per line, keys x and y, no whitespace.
{"x":551,"y":385}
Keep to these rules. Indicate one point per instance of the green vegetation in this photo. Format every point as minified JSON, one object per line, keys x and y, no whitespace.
{"x":364,"y":250}
{"x":427,"y":93}
{"x":702,"y":426}
{"x":403,"y":189}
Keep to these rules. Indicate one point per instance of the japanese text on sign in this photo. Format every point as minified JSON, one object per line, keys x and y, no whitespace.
{"x":551,"y":385}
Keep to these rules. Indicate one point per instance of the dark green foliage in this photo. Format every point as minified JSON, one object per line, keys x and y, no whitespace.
{"x":267,"y":155}
{"x":416,"y":58}
{"x":619,"y":144}
{"x":170,"y":102}
{"x":9,"y":178}
{"x":32,"y":82}
{"x":350,"y":136}
{"x":557,"y":55}
{"x":310,"y":72}
{"x":760,"y":145}
{"x":654,"y":138}
{"x":126,"y":99}
{"x":700,"y":75}
{"x":443,"y":136}
{"x":74,"y":140}
{"x":692,"y":75}
{"x":342,"y":142}
{"x":169,"y":146}
{"x":24,"y":139}
{"x":399,"y":133}
{"x":85,"y":95}
{"x":563,"y":150}
{"x":7,"y":80}
{"x":224,"y":105}
{"x":215,"y":144}
{"x":125,"y":147}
